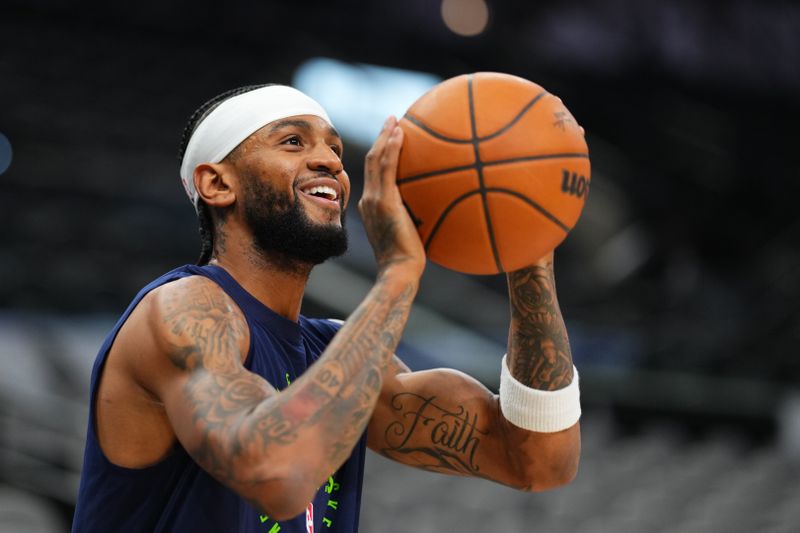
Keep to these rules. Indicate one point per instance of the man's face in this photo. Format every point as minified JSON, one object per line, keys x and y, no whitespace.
{"x":294,"y":189}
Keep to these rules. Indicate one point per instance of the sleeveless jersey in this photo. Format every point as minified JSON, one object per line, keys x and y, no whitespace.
{"x":175,"y":494}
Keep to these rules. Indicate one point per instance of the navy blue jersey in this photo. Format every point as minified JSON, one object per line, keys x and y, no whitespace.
{"x":176,"y":495}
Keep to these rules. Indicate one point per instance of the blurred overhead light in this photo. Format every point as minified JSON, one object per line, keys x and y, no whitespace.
{"x":465,"y":17}
{"x":5,"y":153}
{"x":359,"y":97}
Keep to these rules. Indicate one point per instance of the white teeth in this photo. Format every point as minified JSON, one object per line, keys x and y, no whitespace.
{"x":323,"y":189}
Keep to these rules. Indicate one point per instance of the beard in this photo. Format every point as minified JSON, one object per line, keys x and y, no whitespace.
{"x":282,"y":232}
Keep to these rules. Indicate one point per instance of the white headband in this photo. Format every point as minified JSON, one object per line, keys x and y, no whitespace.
{"x":235,"y":119}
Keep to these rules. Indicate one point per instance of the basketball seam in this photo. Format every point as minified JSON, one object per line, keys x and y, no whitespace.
{"x":444,"y":214}
{"x":479,"y":168}
{"x":515,"y":119}
{"x":440,"y":220}
{"x":429,"y":130}
{"x":441,"y":172}
{"x":533,"y":204}
{"x":417,"y":222}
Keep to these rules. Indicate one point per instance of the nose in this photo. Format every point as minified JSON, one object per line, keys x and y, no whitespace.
{"x":324,"y":159}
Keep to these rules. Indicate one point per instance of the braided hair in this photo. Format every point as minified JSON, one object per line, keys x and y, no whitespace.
{"x":206,"y":223}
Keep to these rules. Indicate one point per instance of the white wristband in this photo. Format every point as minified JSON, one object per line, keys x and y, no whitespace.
{"x":538,"y":410}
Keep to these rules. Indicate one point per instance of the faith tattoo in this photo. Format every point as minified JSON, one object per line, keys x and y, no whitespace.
{"x":433,"y":437}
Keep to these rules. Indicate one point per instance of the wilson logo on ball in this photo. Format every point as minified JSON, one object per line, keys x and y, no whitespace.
{"x":574,"y":184}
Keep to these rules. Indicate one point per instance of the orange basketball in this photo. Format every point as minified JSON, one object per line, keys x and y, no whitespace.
{"x":494,"y":171}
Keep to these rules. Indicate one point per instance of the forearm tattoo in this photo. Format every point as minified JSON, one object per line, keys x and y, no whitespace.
{"x":432,"y":437}
{"x":336,"y":396}
{"x":538,"y":347}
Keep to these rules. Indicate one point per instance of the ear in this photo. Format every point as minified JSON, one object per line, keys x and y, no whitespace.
{"x":213,"y":182}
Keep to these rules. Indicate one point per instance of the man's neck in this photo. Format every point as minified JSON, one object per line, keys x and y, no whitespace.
{"x":278,"y":283}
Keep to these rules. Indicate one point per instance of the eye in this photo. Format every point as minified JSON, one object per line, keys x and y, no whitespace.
{"x":337,"y":149}
{"x":293,"y":140}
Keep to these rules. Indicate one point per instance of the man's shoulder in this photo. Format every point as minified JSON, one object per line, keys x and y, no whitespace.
{"x":188,"y":298}
{"x":187,"y":284}
{"x":185,"y":313}
{"x":177,"y":305}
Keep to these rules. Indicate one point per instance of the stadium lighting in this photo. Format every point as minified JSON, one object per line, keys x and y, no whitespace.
{"x":5,"y":153}
{"x":465,"y":17}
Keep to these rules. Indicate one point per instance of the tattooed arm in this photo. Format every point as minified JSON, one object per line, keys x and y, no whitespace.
{"x":276,"y":448}
{"x":538,"y":348}
{"x":447,"y":422}
{"x":234,"y":424}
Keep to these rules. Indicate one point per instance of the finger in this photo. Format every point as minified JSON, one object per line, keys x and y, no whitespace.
{"x":372,"y":161}
{"x":391,"y":155}
{"x":386,"y":130}
{"x":375,"y":153}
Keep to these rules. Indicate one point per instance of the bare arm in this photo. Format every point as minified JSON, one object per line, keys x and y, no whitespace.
{"x":242,"y":431}
{"x":232,"y":422}
{"x":446,"y":421}
{"x":539,"y":355}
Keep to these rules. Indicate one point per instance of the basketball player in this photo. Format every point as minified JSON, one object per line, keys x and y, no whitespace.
{"x":216,"y":406}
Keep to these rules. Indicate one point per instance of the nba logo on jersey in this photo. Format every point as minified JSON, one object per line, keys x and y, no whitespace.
{"x":310,"y":518}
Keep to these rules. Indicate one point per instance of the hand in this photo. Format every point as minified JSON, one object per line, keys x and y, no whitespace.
{"x":389,"y":227}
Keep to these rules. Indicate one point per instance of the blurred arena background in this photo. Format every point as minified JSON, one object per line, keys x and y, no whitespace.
{"x":679,"y":285}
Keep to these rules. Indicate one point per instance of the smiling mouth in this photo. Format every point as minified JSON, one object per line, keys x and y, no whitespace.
{"x":323,"y":196}
{"x":324,"y":192}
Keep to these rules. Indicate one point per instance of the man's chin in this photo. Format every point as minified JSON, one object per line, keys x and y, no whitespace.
{"x":301,"y":234}
{"x":313,"y":245}
{"x":329,"y":219}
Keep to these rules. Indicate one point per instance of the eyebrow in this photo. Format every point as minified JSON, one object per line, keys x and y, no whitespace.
{"x":299,"y":123}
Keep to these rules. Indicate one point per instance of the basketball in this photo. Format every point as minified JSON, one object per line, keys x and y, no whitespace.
{"x":494,"y":171}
